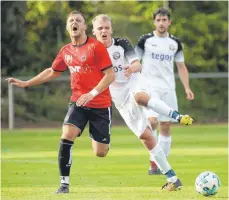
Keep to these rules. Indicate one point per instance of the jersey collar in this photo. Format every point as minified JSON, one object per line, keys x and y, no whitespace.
{"x":112,"y":43}
{"x":154,"y":32}
{"x":74,"y":45}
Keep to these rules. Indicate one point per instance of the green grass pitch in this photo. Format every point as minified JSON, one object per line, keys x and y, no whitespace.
{"x":30,"y":170}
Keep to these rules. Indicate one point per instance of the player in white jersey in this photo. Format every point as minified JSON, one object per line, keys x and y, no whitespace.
{"x":124,"y":89}
{"x":158,"y":51}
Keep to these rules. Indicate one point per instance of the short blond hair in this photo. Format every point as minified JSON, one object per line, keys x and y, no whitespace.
{"x":104,"y":17}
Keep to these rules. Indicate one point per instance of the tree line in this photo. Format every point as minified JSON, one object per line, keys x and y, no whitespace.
{"x":34,"y":31}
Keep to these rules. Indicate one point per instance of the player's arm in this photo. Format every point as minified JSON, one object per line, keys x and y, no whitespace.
{"x":109,"y":77}
{"x":134,"y":67}
{"x":184,"y":77}
{"x":46,"y":75}
{"x":131,"y":56}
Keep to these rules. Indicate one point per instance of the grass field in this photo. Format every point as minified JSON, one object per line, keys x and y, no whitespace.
{"x":30,"y":170}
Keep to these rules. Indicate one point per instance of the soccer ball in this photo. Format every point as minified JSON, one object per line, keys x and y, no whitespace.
{"x":207,"y":183}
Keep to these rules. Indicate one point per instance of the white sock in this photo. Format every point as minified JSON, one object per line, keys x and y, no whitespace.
{"x":160,"y":107}
{"x":165,"y":144}
{"x":158,"y":156}
{"x":64,"y":179}
{"x":154,"y":134}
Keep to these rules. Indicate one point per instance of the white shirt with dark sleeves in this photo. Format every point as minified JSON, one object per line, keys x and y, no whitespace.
{"x":158,"y":55}
{"x":121,"y":53}
{"x":122,"y":89}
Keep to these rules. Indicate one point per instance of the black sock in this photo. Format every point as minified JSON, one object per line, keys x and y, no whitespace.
{"x":65,"y":157}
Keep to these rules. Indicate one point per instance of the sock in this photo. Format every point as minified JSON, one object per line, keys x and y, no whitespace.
{"x":154,"y":134}
{"x":158,"y":156}
{"x":153,"y":165}
{"x":165,"y":144}
{"x":175,"y":115}
{"x":160,"y":107}
{"x":65,"y":160}
{"x":171,"y":176}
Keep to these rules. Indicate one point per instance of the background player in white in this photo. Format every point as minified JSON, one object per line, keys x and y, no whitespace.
{"x":158,"y":51}
{"x":125,"y":87}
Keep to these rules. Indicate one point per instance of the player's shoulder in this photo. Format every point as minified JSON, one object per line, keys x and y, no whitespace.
{"x":174,"y":38}
{"x":95,"y":42}
{"x":65,"y":47}
{"x":146,"y":36}
{"x":121,"y":41}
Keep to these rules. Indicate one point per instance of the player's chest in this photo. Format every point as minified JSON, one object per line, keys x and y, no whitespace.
{"x":116,"y":54}
{"x":166,"y":47}
{"x":79,"y":56}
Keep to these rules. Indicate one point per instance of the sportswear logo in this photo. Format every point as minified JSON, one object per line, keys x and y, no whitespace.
{"x":104,"y":139}
{"x":154,"y":45}
{"x":83,"y":58}
{"x":116,"y":55}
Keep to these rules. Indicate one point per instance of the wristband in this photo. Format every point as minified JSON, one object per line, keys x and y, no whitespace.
{"x":94,"y":92}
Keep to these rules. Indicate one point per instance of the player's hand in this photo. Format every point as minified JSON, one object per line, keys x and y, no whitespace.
{"x":84,"y":99}
{"x":127,"y":71}
{"x":17,"y":82}
{"x":189,"y":94}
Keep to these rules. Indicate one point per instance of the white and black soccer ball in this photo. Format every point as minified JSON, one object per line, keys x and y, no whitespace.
{"x":207,"y":183}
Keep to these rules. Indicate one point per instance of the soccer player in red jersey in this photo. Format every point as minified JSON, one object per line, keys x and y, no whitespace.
{"x":91,"y":73}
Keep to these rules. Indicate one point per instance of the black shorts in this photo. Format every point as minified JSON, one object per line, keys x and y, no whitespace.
{"x":99,"y":121}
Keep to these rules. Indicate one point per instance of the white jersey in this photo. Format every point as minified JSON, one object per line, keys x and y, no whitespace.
{"x":121,"y":53}
{"x":158,"y":55}
{"x":122,"y":89}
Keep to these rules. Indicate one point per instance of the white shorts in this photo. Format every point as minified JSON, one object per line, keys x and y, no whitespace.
{"x":170,"y":98}
{"x":134,"y":115}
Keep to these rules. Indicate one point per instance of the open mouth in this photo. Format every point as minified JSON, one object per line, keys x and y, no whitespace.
{"x":104,"y":37}
{"x":74,"y":28}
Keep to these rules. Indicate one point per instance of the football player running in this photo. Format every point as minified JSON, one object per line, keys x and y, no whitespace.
{"x":91,"y":73}
{"x":129,"y":94}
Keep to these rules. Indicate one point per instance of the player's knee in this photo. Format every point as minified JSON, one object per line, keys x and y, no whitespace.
{"x":141,"y":98}
{"x":70,"y":132}
{"x":101,"y":154}
{"x":165,"y":128}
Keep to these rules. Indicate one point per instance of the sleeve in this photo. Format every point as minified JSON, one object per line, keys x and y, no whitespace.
{"x":102,"y":58}
{"x":140,"y":46}
{"x":59,"y":64}
{"x":179,"y":56}
{"x":129,"y":52}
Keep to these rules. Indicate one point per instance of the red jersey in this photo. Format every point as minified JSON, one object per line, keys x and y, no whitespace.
{"x":86,"y":64}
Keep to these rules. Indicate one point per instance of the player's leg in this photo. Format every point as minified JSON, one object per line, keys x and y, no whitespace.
{"x":100,"y":129}
{"x":136,"y":120}
{"x":158,"y":156}
{"x":165,"y":138}
{"x":153,"y":169}
{"x":155,"y":104}
{"x":74,"y":123}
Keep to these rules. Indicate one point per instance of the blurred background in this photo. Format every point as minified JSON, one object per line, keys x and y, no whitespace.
{"x":33,"y":32}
